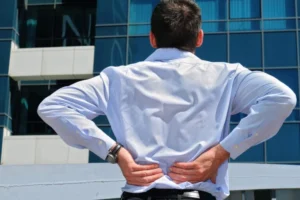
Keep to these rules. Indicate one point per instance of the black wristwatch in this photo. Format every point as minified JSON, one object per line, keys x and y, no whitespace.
{"x":112,"y":156}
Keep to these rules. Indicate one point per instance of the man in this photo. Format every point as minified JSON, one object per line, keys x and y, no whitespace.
{"x":170,"y":114}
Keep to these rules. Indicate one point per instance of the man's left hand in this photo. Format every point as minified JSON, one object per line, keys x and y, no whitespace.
{"x":205,"y":167}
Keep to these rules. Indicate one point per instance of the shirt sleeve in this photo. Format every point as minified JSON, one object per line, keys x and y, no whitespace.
{"x":70,"y":110}
{"x":267,"y":103}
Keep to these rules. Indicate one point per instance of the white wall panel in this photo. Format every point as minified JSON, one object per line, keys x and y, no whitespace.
{"x":52,"y":63}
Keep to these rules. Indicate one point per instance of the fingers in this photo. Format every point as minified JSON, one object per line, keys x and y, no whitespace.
{"x":144,"y":167}
{"x":146,"y":173}
{"x":178,"y":178}
{"x":186,"y":165}
{"x":144,"y":181}
{"x":181,"y":171}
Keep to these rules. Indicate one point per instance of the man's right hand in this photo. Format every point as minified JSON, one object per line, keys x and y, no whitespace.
{"x":135,"y":174}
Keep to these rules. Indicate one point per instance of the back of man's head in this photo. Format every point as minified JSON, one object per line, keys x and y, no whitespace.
{"x":176,"y":24}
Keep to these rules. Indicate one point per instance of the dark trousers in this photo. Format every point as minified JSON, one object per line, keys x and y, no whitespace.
{"x":168,"y":194}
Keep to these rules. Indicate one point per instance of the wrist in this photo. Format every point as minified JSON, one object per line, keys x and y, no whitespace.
{"x":221,"y":155}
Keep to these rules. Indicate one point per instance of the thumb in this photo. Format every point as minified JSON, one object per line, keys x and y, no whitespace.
{"x":214,"y":178}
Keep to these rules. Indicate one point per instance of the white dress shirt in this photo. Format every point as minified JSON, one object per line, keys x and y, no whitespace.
{"x":171,"y":107}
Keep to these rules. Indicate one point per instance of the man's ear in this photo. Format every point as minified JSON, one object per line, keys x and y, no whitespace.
{"x":152,"y":40}
{"x":200,"y":38}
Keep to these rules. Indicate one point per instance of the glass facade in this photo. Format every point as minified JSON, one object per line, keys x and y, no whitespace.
{"x":262,"y":35}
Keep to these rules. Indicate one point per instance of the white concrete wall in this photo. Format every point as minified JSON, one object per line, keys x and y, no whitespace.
{"x":52,"y":63}
{"x":26,"y":150}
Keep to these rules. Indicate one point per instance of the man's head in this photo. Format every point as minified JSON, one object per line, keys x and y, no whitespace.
{"x":176,"y":24}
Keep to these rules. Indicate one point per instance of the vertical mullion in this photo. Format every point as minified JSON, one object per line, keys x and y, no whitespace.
{"x":127,"y":37}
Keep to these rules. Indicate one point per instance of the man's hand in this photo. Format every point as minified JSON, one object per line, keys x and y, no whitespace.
{"x":139,"y":175}
{"x":205,"y":167}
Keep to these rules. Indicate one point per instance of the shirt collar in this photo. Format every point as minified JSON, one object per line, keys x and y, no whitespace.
{"x":164,"y":54}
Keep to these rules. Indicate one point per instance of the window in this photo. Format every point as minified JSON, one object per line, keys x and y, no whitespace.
{"x":112,"y":12}
{"x":25,"y":101}
{"x":280,"y":49}
{"x":280,"y":24}
{"x":4,"y":88}
{"x":139,"y":49}
{"x":139,"y":29}
{"x":214,"y":48}
{"x":109,"y":52}
{"x":211,"y":27}
{"x":213,"y":9}
{"x":278,"y":8}
{"x":141,"y":11}
{"x":7,"y":9}
{"x":252,"y":25}
{"x":5,"y":55}
{"x":289,"y":77}
{"x":111,"y":30}
{"x":62,"y":25}
{"x":285,"y":146}
{"x":246,"y":48}
{"x":244,"y":9}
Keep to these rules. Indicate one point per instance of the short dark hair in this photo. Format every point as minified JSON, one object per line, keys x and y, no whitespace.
{"x":176,"y":24}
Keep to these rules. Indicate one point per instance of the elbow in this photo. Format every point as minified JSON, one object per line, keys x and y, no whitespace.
{"x":291,"y":100}
{"x":44,"y":108}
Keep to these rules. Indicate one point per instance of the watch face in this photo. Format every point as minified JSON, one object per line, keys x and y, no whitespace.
{"x":111,"y":159}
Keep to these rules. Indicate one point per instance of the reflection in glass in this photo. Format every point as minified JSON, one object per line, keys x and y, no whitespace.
{"x":209,"y":27}
{"x":141,"y":11}
{"x":245,"y":25}
{"x":213,"y":9}
{"x":280,"y":49}
{"x":112,"y":12}
{"x":285,"y":146}
{"x":280,"y":24}
{"x":246,"y":48}
{"x":278,"y":8}
{"x":244,"y":9}
{"x":139,"y":49}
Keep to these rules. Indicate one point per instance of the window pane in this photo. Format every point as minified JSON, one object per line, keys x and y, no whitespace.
{"x":143,"y":29}
{"x":40,"y":2}
{"x":278,"y":8}
{"x":287,"y":76}
{"x":141,"y":11}
{"x":280,"y":24}
{"x":280,"y":49}
{"x":5,"y":55}
{"x":111,"y":30}
{"x":139,"y":49}
{"x":244,"y":9}
{"x":298,"y":9}
{"x":285,"y":146}
{"x":6,"y":33}
{"x":112,"y":12}
{"x":4,"y":97}
{"x":214,"y":48}
{"x":294,"y":116}
{"x":209,"y":27}
{"x":213,"y":9}
{"x":250,"y":56}
{"x":101,"y":120}
{"x":109,"y":52}
{"x":7,"y":9}
{"x":245,"y":25}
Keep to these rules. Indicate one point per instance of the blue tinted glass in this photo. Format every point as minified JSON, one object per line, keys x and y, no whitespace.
{"x":6,"y":33}
{"x":112,"y":12}
{"x":143,"y":29}
{"x":287,"y":76}
{"x":209,"y":27}
{"x":4,"y":97}
{"x":101,"y":120}
{"x":279,"y":24}
{"x":280,"y":49}
{"x":244,"y":9}
{"x":111,"y":30}
{"x":40,"y":2}
{"x":141,"y":10}
{"x":7,"y":11}
{"x":294,"y":116}
{"x":214,"y":48}
{"x":278,"y":8}
{"x":109,"y":52}
{"x":237,"y":117}
{"x":244,"y":26}
{"x":213,"y":9}
{"x":298,"y":3}
{"x":285,"y":146}
{"x":139,"y":49}
{"x":246,"y":48}
{"x":1,"y":140}
{"x":5,"y":55}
